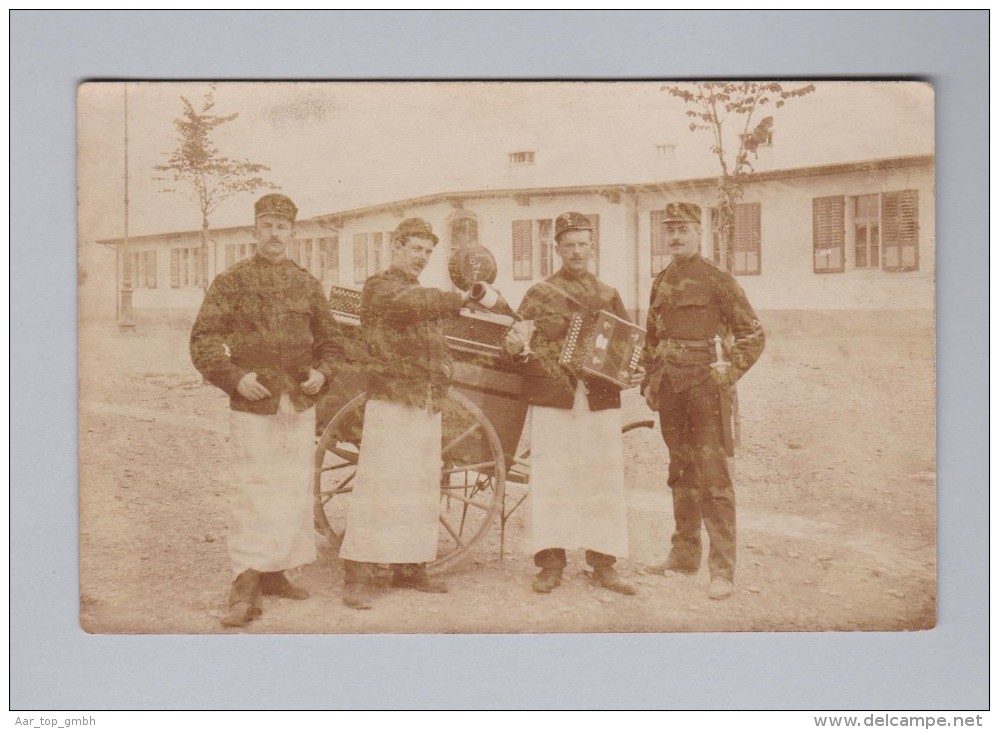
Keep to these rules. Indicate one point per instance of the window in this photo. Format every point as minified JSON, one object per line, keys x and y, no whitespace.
{"x":534,"y":243}
{"x":900,"y":230}
{"x":879,"y":230}
{"x":665,"y":151}
{"x":464,"y":232}
{"x":377,"y":257}
{"x":524,"y":157}
{"x":360,"y":257}
{"x":238,"y":251}
{"x":187,"y":266}
{"x":329,"y":259}
{"x":523,"y":232}
{"x":141,"y":267}
{"x":746,"y":240}
{"x":546,"y":248}
{"x":827,"y":234}
{"x":660,"y":253}
{"x":305,"y":258}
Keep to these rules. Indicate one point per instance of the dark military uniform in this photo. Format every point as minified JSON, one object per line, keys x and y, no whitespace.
{"x":693,"y":301}
{"x":403,"y":325}
{"x":393,"y":517}
{"x":576,"y":498}
{"x":268,"y":316}
{"x":275,"y":321}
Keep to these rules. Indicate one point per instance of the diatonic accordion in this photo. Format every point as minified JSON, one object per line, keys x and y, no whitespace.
{"x":604,"y":346}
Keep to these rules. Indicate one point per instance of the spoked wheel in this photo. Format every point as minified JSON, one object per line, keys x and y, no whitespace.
{"x":473,"y":476}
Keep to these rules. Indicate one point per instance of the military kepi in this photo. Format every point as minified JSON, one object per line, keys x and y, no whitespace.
{"x":682,"y":212}
{"x":572,"y":222}
{"x":414,"y":227}
{"x":276,"y":204}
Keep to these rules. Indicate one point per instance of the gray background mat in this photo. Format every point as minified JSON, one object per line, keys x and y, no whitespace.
{"x":55,"y":665}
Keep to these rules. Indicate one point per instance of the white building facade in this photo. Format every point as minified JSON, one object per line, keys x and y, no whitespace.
{"x":848,"y":236}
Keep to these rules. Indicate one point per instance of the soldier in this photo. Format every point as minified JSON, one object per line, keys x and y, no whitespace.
{"x":393,"y":514}
{"x":576,"y":499}
{"x":689,"y":382}
{"x":266,"y":337}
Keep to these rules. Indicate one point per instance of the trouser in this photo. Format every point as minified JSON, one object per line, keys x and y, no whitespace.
{"x":555,"y":558}
{"x":698,"y":477}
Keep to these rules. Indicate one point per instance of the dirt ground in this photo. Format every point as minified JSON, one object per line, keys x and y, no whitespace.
{"x":835,"y":485}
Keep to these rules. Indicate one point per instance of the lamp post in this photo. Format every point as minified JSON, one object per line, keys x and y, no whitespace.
{"x":126,"y":321}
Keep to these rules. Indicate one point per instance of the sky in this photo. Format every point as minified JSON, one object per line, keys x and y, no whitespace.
{"x":336,"y":146}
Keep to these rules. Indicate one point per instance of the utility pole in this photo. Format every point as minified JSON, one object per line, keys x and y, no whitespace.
{"x":126,"y":321}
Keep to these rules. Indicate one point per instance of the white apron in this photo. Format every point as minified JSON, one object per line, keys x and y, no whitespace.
{"x":394,"y":508}
{"x":576,"y":495}
{"x":270,"y":514}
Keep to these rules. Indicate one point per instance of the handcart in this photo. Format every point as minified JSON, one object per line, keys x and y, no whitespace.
{"x":482,"y":448}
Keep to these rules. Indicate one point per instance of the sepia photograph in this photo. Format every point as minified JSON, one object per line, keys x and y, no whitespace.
{"x":506,"y":357}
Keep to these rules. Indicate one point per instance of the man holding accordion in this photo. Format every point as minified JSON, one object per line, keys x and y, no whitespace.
{"x":576,"y":496}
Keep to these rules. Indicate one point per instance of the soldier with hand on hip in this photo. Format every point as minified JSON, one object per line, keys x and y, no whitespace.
{"x":702,"y":335}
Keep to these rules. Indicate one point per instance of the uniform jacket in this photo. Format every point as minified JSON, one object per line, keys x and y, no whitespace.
{"x":692,"y":301}
{"x":403,"y":325}
{"x":270,"y":318}
{"x":546,"y":382}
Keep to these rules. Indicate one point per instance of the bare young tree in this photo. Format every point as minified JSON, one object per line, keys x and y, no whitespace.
{"x":711,"y":106}
{"x":211,"y":177}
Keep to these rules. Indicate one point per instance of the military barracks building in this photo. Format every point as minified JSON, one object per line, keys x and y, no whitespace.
{"x":857,"y":235}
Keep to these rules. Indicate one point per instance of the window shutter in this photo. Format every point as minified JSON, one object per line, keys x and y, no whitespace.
{"x":174,"y":268}
{"x":522,"y":231}
{"x":360,"y":257}
{"x":747,"y":242}
{"x":546,"y":246}
{"x":657,"y":242}
{"x":595,"y":222}
{"x":900,"y":230}
{"x":150,"y":257}
{"x":828,"y":233}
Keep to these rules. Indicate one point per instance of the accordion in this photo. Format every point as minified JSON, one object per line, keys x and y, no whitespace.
{"x":604,"y":346}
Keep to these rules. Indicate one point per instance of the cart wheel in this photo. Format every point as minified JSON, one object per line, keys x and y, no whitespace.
{"x":473,"y":476}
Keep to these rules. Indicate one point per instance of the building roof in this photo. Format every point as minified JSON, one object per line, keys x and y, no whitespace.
{"x":609,"y":189}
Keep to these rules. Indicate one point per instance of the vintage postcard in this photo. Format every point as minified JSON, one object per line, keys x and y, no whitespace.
{"x":506,"y":357}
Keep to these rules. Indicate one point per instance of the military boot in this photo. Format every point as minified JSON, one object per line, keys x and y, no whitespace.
{"x":356,"y":581}
{"x":606,"y":576}
{"x":547,"y":580}
{"x":244,"y":599}
{"x":414,"y":575}
{"x":277,"y":584}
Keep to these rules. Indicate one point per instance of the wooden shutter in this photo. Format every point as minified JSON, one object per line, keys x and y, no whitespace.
{"x":360,"y":257}
{"x":828,"y":233}
{"x":175,"y":268}
{"x":522,"y":234}
{"x":595,"y":222}
{"x":900,"y":230}
{"x":546,"y":247}
{"x":150,"y":266}
{"x":746,"y":246}
{"x":657,"y":242}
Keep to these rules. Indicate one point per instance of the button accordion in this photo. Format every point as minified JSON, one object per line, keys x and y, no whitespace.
{"x":604,"y":346}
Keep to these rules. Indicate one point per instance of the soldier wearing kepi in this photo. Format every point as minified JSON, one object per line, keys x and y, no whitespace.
{"x":266,"y":337}
{"x":393,"y":513}
{"x":702,"y":335}
{"x":576,"y":496}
